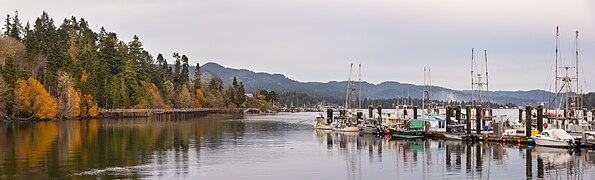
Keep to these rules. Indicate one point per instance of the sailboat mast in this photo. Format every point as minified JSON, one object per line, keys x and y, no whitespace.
{"x":472,"y":77}
{"x":556,"y":57}
{"x":423,"y":92}
{"x":348,"y":87}
{"x":359,"y":99}
{"x":579,"y":100}
{"x":487,"y":79}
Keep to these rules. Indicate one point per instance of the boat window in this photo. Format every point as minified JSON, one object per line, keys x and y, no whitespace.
{"x":546,"y":134}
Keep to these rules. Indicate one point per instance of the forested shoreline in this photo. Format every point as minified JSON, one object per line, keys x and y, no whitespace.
{"x":70,"y":71}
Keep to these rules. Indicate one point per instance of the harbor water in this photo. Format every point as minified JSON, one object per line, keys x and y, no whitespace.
{"x":271,"y":146}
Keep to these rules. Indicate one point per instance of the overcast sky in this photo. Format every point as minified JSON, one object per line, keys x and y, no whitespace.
{"x":315,"y":40}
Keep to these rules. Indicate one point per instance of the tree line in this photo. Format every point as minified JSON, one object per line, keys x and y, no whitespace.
{"x":70,"y":71}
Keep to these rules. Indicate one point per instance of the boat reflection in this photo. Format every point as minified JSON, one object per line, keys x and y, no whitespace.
{"x":437,"y":158}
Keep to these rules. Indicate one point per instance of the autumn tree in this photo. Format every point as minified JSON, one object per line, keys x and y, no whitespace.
{"x":33,"y":100}
{"x":184,"y":99}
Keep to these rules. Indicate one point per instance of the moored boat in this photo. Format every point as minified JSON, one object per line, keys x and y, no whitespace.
{"x":413,"y":129}
{"x":554,"y":138}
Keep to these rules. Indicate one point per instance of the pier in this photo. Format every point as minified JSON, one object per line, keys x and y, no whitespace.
{"x":133,"y":113}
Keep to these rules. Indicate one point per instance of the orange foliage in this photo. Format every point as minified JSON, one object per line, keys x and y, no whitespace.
{"x":156,"y":97}
{"x":33,"y":99}
{"x":89,"y":108}
{"x":84,"y":76}
{"x":199,"y":100}
{"x":74,"y":102}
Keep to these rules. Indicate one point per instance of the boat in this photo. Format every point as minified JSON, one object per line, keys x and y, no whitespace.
{"x":554,"y":138}
{"x":414,"y":128}
{"x":456,"y":132}
{"x":588,"y":138}
{"x":345,"y":125}
{"x":322,"y":123}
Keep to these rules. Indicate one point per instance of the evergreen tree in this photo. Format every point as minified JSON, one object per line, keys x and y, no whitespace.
{"x":197,"y":74}
{"x":177,"y":71}
{"x":184,"y":77}
{"x":16,"y":27}
{"x":7,"y":25}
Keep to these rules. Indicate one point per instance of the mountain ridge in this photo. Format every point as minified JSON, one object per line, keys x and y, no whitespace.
{"x":383,"y":90}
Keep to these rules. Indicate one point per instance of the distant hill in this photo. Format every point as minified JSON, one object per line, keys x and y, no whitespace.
{"x":278,"y":82}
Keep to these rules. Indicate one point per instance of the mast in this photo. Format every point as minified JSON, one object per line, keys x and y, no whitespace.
{"x":348,"y":87}
{"x":579,"y":100}
{"x":423,"y":92}
{"x":487,"y":79}
{"x":556,"y":65}
{"x":359,"y":99}
{"x":472,"y":77}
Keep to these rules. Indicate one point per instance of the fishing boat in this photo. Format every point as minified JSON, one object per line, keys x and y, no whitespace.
{"x":456,"y":132}
{"x":414,"y":128}
{"x":322,"y":123}
{"x":554,"y":138}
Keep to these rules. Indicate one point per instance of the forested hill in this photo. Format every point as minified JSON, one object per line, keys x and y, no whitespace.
{"x":63,"y":69}
{"x":386,"y":90}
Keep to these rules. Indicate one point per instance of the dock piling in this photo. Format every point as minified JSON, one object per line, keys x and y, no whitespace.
{"x":468,"y":122}
{"x":478,"y":117}
{"x":528,"y":121}
{"x":539,"y":118}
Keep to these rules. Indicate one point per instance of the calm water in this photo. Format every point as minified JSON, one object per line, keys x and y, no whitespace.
{"x":281,"y":146}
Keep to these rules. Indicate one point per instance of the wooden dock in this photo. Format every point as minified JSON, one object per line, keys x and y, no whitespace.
{"x":133,"y":113}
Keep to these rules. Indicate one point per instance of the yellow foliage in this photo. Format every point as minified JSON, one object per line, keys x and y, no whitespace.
{"x":89,"y":108}
{"x":74,"y":102}
{"x":84,"y":76}
{"x":199,"y":101}
{"x":33,"y":99}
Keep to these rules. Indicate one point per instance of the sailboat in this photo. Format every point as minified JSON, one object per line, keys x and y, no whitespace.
{"x":436,"y":120}
{"x":569,"y":95}
{"x":348,"y":118}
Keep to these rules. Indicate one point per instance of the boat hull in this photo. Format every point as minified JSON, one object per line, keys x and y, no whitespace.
{"x":324,"y":127}
{"x":408,"y":134}
{"x":347,"y":129}
{"x":551,"y":142}
{"x":451,"y":136}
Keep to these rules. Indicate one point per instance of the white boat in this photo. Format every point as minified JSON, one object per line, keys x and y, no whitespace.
{"x":457,"y":132}
{"x":454,"y":136}
{"x":347,"y":129}
{"x":321,"y":123}
{"x":554,"y":138}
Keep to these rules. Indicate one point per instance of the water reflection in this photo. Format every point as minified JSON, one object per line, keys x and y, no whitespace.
{"x":432,"y":159}
{"x":261,"y":147}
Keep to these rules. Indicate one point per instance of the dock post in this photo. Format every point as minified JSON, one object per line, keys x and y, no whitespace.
{"x":520,"y":115}
{"x":448,"y":116}
{"x":528,"y":162}
{"x":370,"y":115}
{"x":468,"y":122}
{"x":540,"y":118}
{"x":458,"y":113}
{"x":414,"y":112}
{"x":528,"y":121}
{"x":478,"y":117}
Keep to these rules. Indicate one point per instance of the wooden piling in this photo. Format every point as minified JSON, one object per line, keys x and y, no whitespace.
{"x":478,"y":117}
{"x":414,"y":112}
{"x":448,"y":116}
{"x":540,"y":118}
{"x":521,"y":115}
{"x":528,"y":121}
{"x":468,"y":122}
{"x":458,"y":113}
